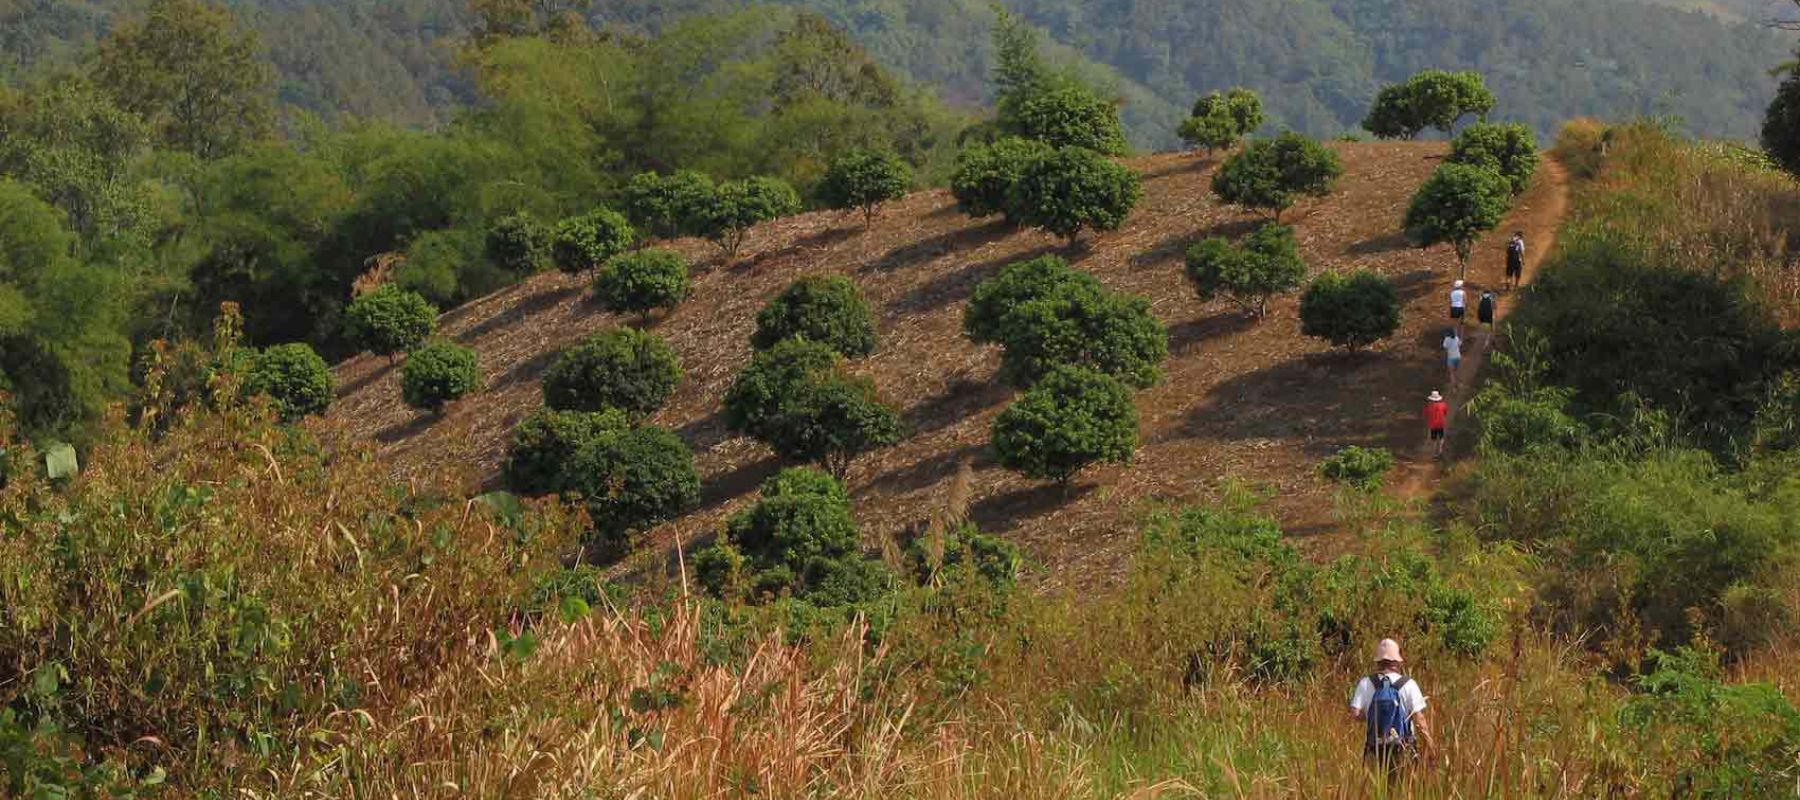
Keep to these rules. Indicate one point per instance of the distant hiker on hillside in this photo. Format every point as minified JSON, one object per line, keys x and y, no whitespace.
{"x":1484,"y":313}
{"x":1515,"y":260}
{"x":1437,"y":420}
{"x":1452,"y":354}
{"x":1459,"y":304}
{"x":1392,"y":709}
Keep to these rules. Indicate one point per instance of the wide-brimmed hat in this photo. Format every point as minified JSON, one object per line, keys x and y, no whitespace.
{"x":1435,"y":397}
{"x":1388,"y":650}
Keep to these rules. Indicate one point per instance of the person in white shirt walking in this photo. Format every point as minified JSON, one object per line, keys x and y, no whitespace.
{"x":1392,"y":708}
{"x":1459,"y":305}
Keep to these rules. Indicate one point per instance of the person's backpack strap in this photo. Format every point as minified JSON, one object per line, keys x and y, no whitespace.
{"x":1401,"y":684}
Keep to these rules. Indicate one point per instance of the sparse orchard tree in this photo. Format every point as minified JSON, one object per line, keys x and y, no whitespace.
{"x":1063,"y":113}
{"x":1071,"y":419}
{"x":631,"y":480}
{"x":1350,"y":311}
{"x":1781,"y":124}
{"x":294,"y":377}
{"x":437,"y":374}
{"x":828,"y":309}
{"x":1272,"y":174}
{"x":644,"y":281}
{"x":389,"y":320}
{"x":1266,"y":264}
{"x":1456,"y":205}
{"x":985,"y":174}
{"x":984,"y":321}
{"x":796,"y":398}
{"x":545,"y":444}
{"x":669,"y":206}
{"x":1072,"y":190}
{"x":1430,"y":99}
{"x":1222,"y":119}
{"x":798,"y":540}
{"x":1081,"y":326}
{"x":737,"y":207}
{"x":864,"y":179}
{"x":1510,"y":149}
{"x":518,"y":244}
{"x":584,"y":243}
{"x":623,"y":368}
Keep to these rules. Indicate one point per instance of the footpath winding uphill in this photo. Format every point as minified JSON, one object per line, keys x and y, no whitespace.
{"x":1243,"y":401}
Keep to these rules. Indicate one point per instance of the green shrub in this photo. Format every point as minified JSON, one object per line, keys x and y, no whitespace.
{"x":1350,"y":311}
{"x":389,"y":320}
{"x":864,"y":179}
{"x":439,"y":373}
{"x":1456,"y":205}
{"x":1222,"y":119}
{"x":1509,"y":149}
{"x":1078,"y":326}
{"x":1703,"y":737}
{"x":964,"y":552}
{"x":644,"y":281}
{"x":545,"y":444}
{"x":1266,"y":264}
{"x":823,"y":308}
{"x":985,"y":174}
{"x":737,"y":207}
{"x":294,"y":377}
{"x":1361,"y":467}
{"x":622,"y":368}
{"x":669,"y":206}
{"x":1071,"y":419}
{"x":584,"y":243}
{"x":1072,"y":190}
{"x":1431,"y":99}
{"x":1018,"y":283}
{"x":1272,"y":174}
{"x":796,"y":398}
{"x":1066,"y":115}
{"x":633,"y":479}
{"x":799,"y":540}
{"x":519,"y":244}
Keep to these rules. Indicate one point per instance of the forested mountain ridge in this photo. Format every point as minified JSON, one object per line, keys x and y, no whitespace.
{"x":1319,"y":61}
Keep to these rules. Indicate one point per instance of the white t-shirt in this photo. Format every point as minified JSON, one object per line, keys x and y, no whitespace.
{"x":1411,"y":698}
{"x":1452,"y":347}
{"x":1459,"y":298}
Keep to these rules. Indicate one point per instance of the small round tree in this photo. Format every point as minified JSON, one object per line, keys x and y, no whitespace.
{"x":823,"y":308}
{"x":623,"y":368}
{"x":1073,"y":190}
{"x":294,"y":377}
{"x":584,"y":243}
{"x":737,"y":207}
{"x":389,"y":320}
{"x":633,"y":480}
{"x":669,"y":206}
{"x":439,"y":373}
{"x":1458,"y":204}
{"x":545,"y":444}
{"x":644,"y":281}
{"x":985,"y":173}
{"x":798,"y":540}
{"x":1222,"y":119}
{"x":864,"y":179}
{"x":1266,"y":264}
{"x":1350,"y":311}
{"x":1430,"y":99}
{"x":796,"y":398}
{"x":1510,"y":149}
{"x":519,"y":244}
{"x":1075,"y":325}
{"x":1781,"y":125}
{"x":1071,"y":419}
{"x":1066,"y":115}
{"x":1271,"y":175}
{"x":1018,"y":283}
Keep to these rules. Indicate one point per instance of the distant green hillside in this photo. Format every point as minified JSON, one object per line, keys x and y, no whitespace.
{"x":1318,"y":61}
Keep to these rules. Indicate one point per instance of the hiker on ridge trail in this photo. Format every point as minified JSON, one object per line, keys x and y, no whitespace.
{"x":1459,"y":304}
{"x":1453,"y":344}
{"x":1515,"y":260}
{"x":1437,"y":420}
{"x":1484,"y":313}
{"x":1392,"y":709}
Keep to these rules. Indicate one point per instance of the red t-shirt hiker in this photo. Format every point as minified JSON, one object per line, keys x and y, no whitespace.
{"x":1437,"y":418}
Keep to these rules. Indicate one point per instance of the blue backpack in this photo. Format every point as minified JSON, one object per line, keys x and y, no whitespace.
{"x":1390,"y":727}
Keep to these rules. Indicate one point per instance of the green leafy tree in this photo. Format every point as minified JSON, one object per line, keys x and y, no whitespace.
{"x":1268,"y":263}
{"x":389,"y":320}
{"x":1510,"y":149}
{"x":439,"y":373}
{"x":828,"y":309}
{"x":985,"y":173}
{"x":864,"y":179}
{"x":1781,"y":124}
{"x":1072,"y":190}
{"x":737,"y":207}
{"x":632,"y":479}
{"x":193,"y":73}
{"x":1430,"y":99}
{"x":644,"y":281}
{"x":1272,"y":174}
{"x":1066,"y":114}
{"x":670,"y":206}
{"x":1075,"y":325}
{"x":1222,"y":119}
{"x":1456,"y":205}
{"x":1019,"y":283}
{"x":627,"y":369}
{"x":294,"y":378}
{"x":799,"y":540}
{"x":77,"y":148}
{"x":587,"y":242}
{"x":796,"y":398}
{"x":518,"y":244}
{"x":1350,"y":311}
{"x":544,"y":446}
{"x":1071,"y":419}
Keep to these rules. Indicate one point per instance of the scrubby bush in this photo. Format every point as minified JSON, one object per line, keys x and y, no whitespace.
{"x":864,"y":179}
{"x":985,"y":174}
{"x":1710,"y":737}
{"x":623,"y":368}
{"x":389,"y":320}
{"x":545,"y":444}
{"x":827,"y":309}
{"x":1070,"y":419}
{"x":1266,"y":264}
{"x":943,"y":556}
{"x":294,"y":377}
{"x":669,"y":206}
{"x":1509,"y":149}
{"x":519,"y":244}
{"x":1581,"y":146}
{"x":1087,"y":327}
{"x":1072,"y":190}
{"x":1781,"y":124}
{"x":632,"y":479}
{"x":1018,"y":283}
{"x":1222,"y":119}
{"x":796,"y":398}
{"x":584,"y":243}
{"x":1272,"y":174}
{"x":1350,"y":311}
{"x":644,"y":281}
{"x":1456,"y":205}
{"x":1066,"y":114}
{"x":738,"y":206}
{"x":799,"y":540}
{"x":439,"y":373}
{"x":1360,"y":467}
{"x":1430,"y":99}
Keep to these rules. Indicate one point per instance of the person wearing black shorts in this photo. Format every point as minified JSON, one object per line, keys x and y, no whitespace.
{"x":1459,"y":305}
{"x":1515,"y":259}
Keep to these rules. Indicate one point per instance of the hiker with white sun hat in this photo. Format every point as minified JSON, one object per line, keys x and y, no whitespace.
{"x":1437,"y":421}
{"x":1391,"y":707}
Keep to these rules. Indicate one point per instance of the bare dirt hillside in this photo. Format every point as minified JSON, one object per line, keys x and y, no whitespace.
{"x":1242,"y":401}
